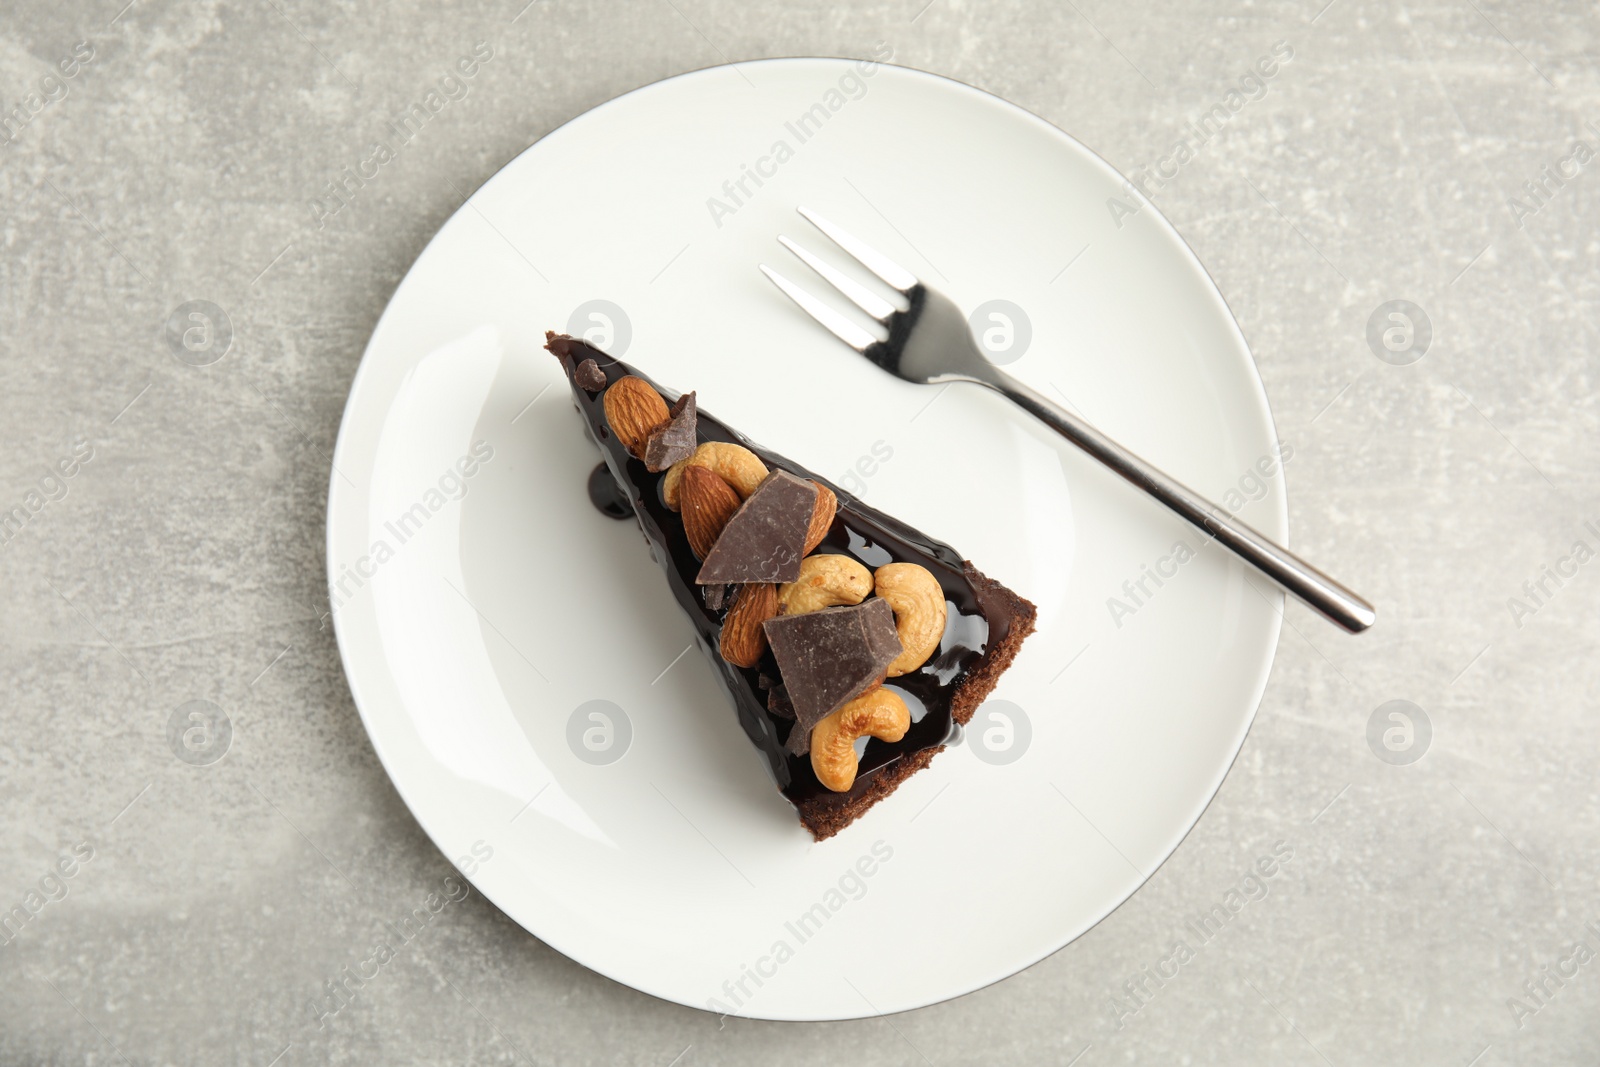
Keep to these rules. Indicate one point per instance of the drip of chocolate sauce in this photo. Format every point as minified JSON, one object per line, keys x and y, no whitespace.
{"x":606,"y":495}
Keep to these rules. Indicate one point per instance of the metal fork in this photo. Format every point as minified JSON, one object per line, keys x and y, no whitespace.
{"x":930,"y":342}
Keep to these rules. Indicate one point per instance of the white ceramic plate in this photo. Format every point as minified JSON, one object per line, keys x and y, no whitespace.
{"x":482,"y":604}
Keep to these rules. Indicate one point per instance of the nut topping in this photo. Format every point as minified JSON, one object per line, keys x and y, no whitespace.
{"x":633,"y":409}
{"x":739,"y":467}
{"x":821,"y":517}
{"x":708,"y":504}
{"x":877,"y":713}
{"x":824,"y":582}
{"x":919,"y":612}
{"x":743,"y":640}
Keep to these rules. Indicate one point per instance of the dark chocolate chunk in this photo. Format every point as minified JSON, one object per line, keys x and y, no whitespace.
{"x":764,"y":540}
{"x":562,"y":346}
{"x":589,"y":375}
{"x":715,"y":596}
{"x":798,"y":743}
{"x":778,"y":702}
{"x":830,"y":657}
{"x":673,"y":440}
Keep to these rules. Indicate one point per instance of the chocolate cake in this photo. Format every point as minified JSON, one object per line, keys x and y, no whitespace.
{"x":830,"y":623}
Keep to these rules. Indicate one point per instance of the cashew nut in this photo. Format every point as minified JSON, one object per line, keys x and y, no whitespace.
{"x":919,"y":612}
{"x":739,"y":467}
{"x":878,"y":713}
{"x":824,"y":582}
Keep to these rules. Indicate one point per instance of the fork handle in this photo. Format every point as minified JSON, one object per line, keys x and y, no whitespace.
{"x":1318,"y":591}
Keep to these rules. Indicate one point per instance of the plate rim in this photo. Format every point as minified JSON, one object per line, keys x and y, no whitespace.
{"x":1258,"y":398}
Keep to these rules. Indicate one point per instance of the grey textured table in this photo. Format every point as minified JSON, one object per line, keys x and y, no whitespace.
{"x":1431,"y":912}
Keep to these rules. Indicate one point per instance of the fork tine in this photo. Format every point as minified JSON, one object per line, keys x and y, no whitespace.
{"x":854,"y":291}
{"x":894,"y":275}
{"x":835,"y":323}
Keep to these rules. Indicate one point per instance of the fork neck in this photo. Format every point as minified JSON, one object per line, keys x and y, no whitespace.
{"x":931,"y":341}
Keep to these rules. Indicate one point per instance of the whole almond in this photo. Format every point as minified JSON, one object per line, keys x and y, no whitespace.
{"x":707,"y":503}
{"x":821,"y":517}
{"x":743,"y":640}
{"x":633,"y":409}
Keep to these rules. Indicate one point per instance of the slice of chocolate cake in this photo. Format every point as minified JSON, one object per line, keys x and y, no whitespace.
{"x":854,"y":647}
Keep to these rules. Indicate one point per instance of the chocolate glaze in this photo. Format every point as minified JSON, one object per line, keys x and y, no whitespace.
{"x":859,"y":531}
{"x":606,"y":495}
